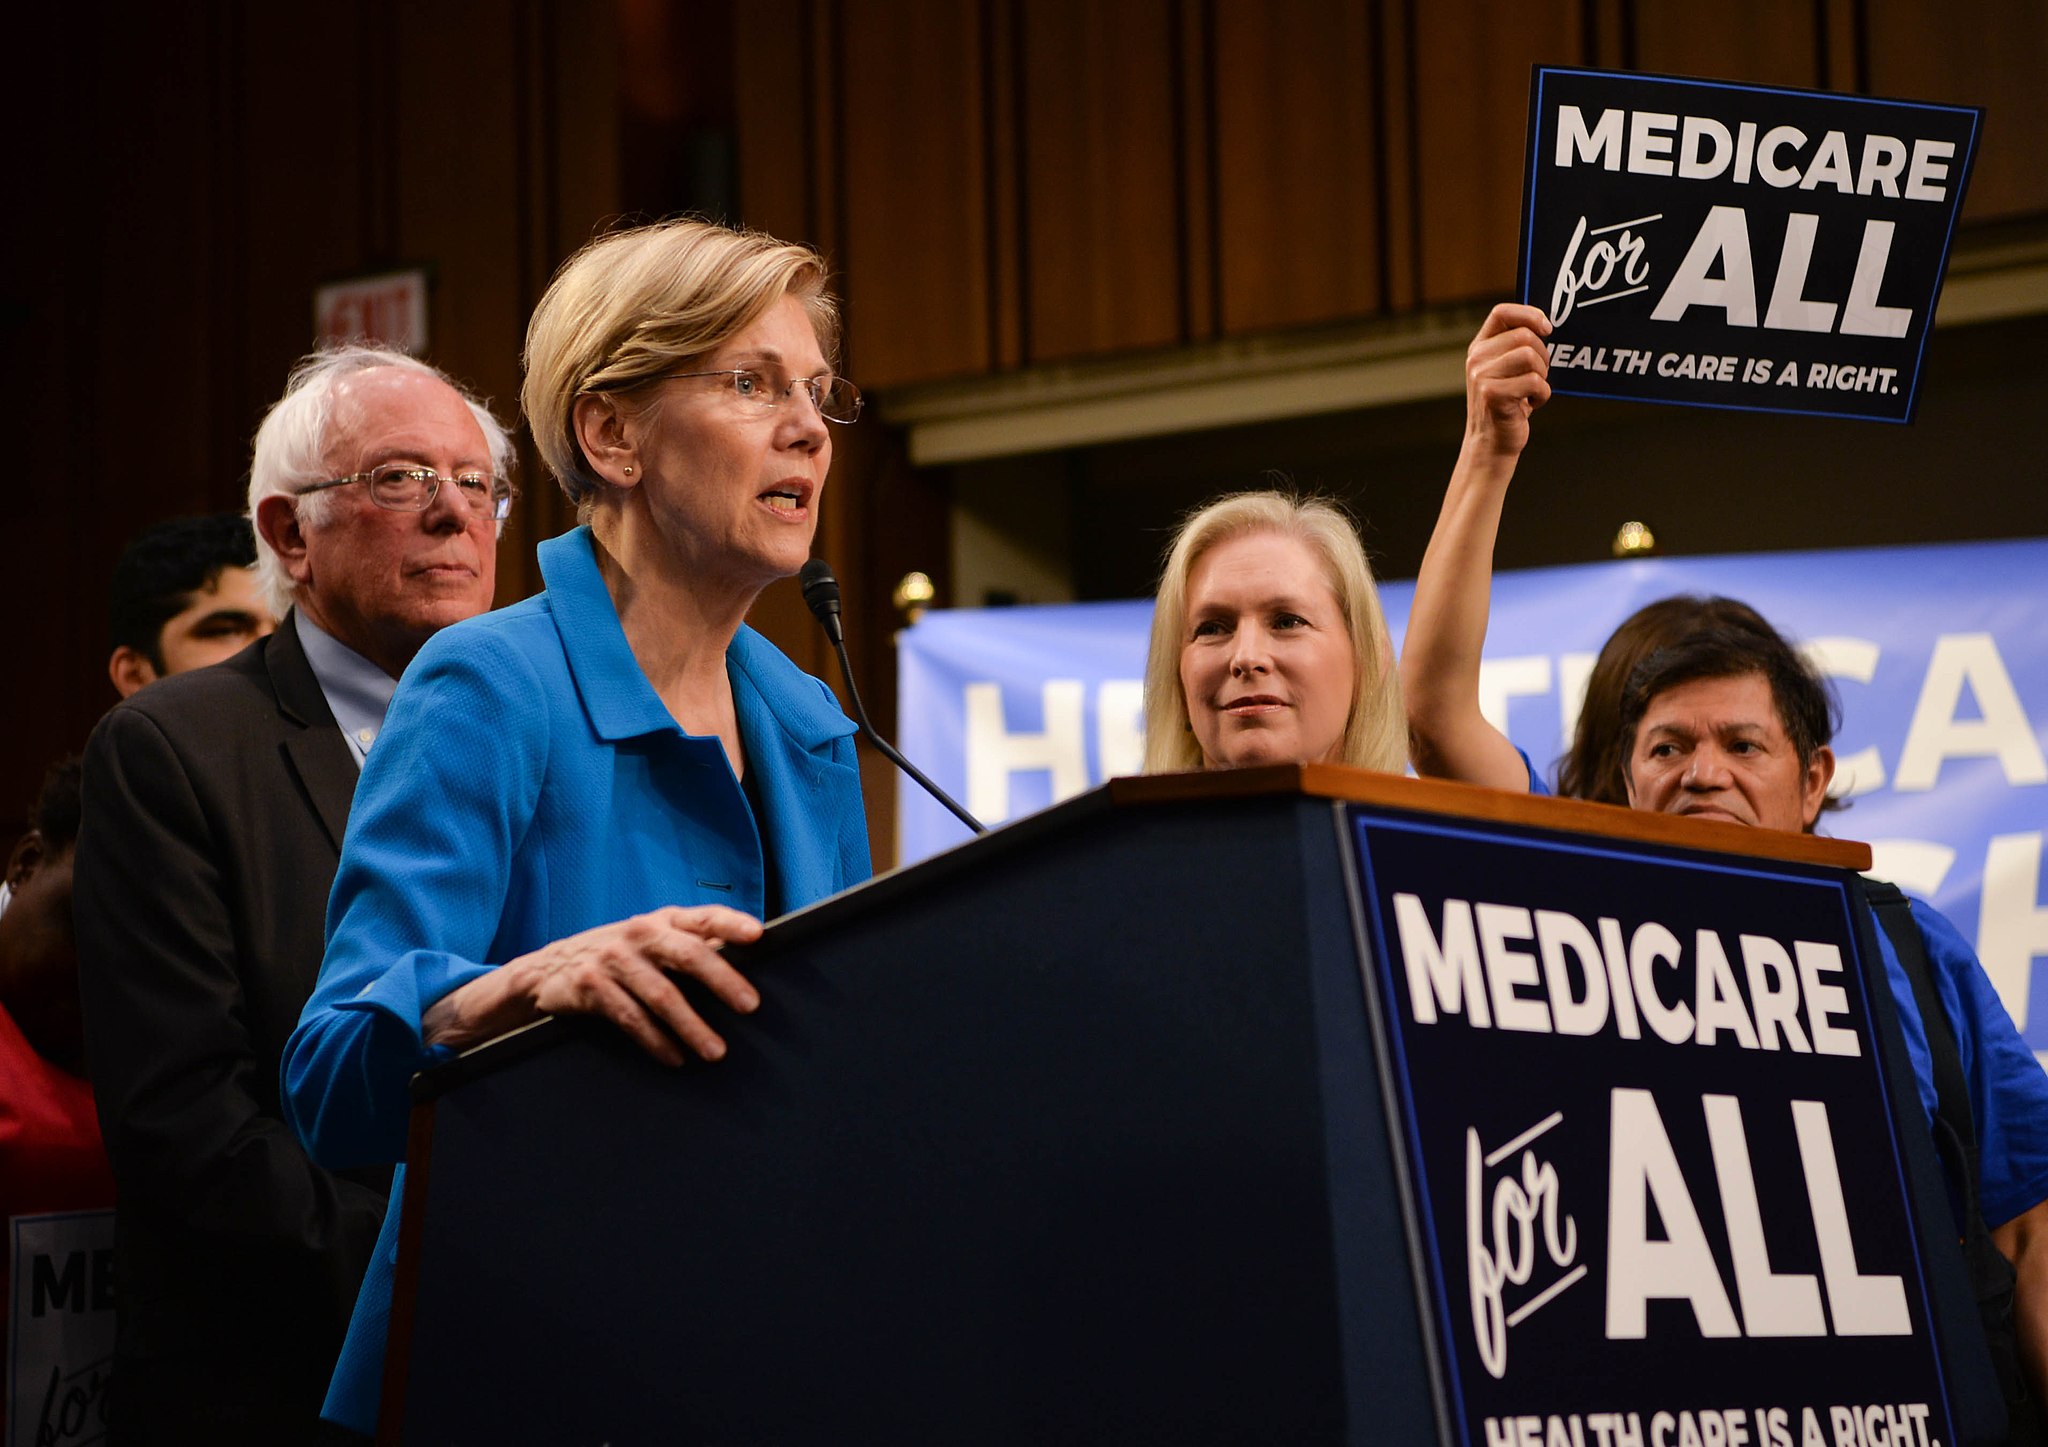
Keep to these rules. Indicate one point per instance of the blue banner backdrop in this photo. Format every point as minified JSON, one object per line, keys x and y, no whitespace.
{"x":1940,"y":655}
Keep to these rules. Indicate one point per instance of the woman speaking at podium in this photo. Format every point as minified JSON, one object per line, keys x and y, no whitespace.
{"x":1268,"y":644}
{"x":576,"y":798}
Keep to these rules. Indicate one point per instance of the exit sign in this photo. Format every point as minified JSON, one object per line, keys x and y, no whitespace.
{"x":388,"y":309}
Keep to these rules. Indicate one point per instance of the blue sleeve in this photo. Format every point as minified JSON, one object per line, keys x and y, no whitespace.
{"x":1537,"y":785}
{"x":2008,"y":1087}
{"x":446,"y":797}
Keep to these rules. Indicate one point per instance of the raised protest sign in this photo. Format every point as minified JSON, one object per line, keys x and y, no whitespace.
{"x":1653,"y":1174}
{"x":1940,"y":655}
{"x":1736,"y":245}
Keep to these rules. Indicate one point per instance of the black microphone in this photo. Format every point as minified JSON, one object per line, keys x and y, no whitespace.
{"x":821,"y":596}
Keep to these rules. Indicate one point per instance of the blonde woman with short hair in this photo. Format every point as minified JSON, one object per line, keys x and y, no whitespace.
{"x":580,"y":797}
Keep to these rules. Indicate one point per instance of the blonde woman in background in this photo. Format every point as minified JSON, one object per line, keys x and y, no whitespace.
{"x":1269,"y":645}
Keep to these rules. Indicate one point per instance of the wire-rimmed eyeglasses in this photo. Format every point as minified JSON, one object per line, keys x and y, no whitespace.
{"x":836,"y":399}
{"x":408,"y":487}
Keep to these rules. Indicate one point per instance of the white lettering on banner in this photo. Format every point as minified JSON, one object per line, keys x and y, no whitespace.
{"x":1723,"y":237}
{"x":1773,"y":1303}
{"x":1505,"y":679}
{"x":1446,"y":976}
{"x":1600,"y":144}
{"x":994,"y":753}
{"x":1508,"y":968}
{"x":1777,"y":157}
{"x":1860,"y":1425}
{"x":1613,"y":1429}
{"x":1861,"y":315}
{"x":1500,"y":1239}
{"x":1723,"y":240}
{"x":1472,"y":969}
{"x":1859,"y":1305}
{"x":1856,"y":660}
{"x":1644,"y":1170}
{"x":1877,"y":1424}
{"x":1915,"y":865}
{"x":1790,"y":312}
{"x":2003,"y":730}
{"x":2012,"y":924}
{"x":1120,"y":727}
{"x":60,"y":1327}
{"x":1642,"y":1165}
{"x":1605,"y":262}
{"x":1574,"y":672}
{"x":1557,"y":935}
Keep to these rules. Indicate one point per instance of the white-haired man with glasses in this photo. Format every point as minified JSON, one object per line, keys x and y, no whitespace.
{"x":215,"y":803}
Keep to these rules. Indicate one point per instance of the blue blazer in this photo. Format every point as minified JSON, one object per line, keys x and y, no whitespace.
{"x":529,"y":784}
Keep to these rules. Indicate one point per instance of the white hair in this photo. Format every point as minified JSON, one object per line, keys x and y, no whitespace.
{"x":291,"y":443}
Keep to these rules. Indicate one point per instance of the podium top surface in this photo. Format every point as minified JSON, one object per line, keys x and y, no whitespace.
{"x":1467,"y":801}
{"x":1332,"y":782}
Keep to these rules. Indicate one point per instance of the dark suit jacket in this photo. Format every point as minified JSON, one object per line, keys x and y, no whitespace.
{"x":215,"y":803}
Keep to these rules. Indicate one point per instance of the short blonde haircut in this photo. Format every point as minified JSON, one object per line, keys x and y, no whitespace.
{"x":1376,"y":732}
{"x":634,"y":305}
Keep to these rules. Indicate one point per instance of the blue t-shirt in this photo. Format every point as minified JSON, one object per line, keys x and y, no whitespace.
{"x":2008,"y":1088}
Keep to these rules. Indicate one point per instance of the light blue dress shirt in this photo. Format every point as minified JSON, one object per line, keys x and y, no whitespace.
{"x":357,"y":690}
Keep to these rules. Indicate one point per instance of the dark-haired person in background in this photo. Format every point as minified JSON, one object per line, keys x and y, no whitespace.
{"x":215,"y":804}
{"x":51,"y":1158}
{"x":1721,"y":718}
{"x":1734,"y":725}
{"x":184,"y":595}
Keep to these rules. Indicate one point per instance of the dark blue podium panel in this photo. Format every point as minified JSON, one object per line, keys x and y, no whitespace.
{"x":1656,"y":1166}
{"x":1214,"y":1120}
{"x":1072,"y":1138}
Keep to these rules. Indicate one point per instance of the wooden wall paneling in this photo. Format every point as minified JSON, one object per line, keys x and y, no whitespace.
{"x":1766,"y":42}
{"x":312,"y":202}
{"x":169,"y":215}
{"x":825,"y":114}
{"x":1101,"y":219}
{"x":1989,"y":53}
{"x":788,"y":160}
{"x":565,"y":145}
{"x":572,"y":192}
{"x":1195,"y":40}
{"x":1845,"y":53}
{"x":1399,"y":152}
{"x":1472,"y":60}
{"x":459,"y":191}
{"x":1300,"y":224}
{"x":1612,"y":42}
{"x":914,"y":255}
{"x":775,"y":101}
{"x":1002,"y":188}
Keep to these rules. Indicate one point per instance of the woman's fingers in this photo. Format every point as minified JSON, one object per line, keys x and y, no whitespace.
{"x":624,"y":1009}
{"x":713,"y":921}
{"x":624,"y":971}
{"x":684,"y":953}
{"x":1507,"y":371}
{"x":658,"y":998}
{"x":1510,"y":316}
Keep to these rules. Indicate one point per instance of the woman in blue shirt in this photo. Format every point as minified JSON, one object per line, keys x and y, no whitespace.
{"x":576,"y":798}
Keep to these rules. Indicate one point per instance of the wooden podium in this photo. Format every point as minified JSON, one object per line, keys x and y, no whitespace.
{"x":1154,"y":1118}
